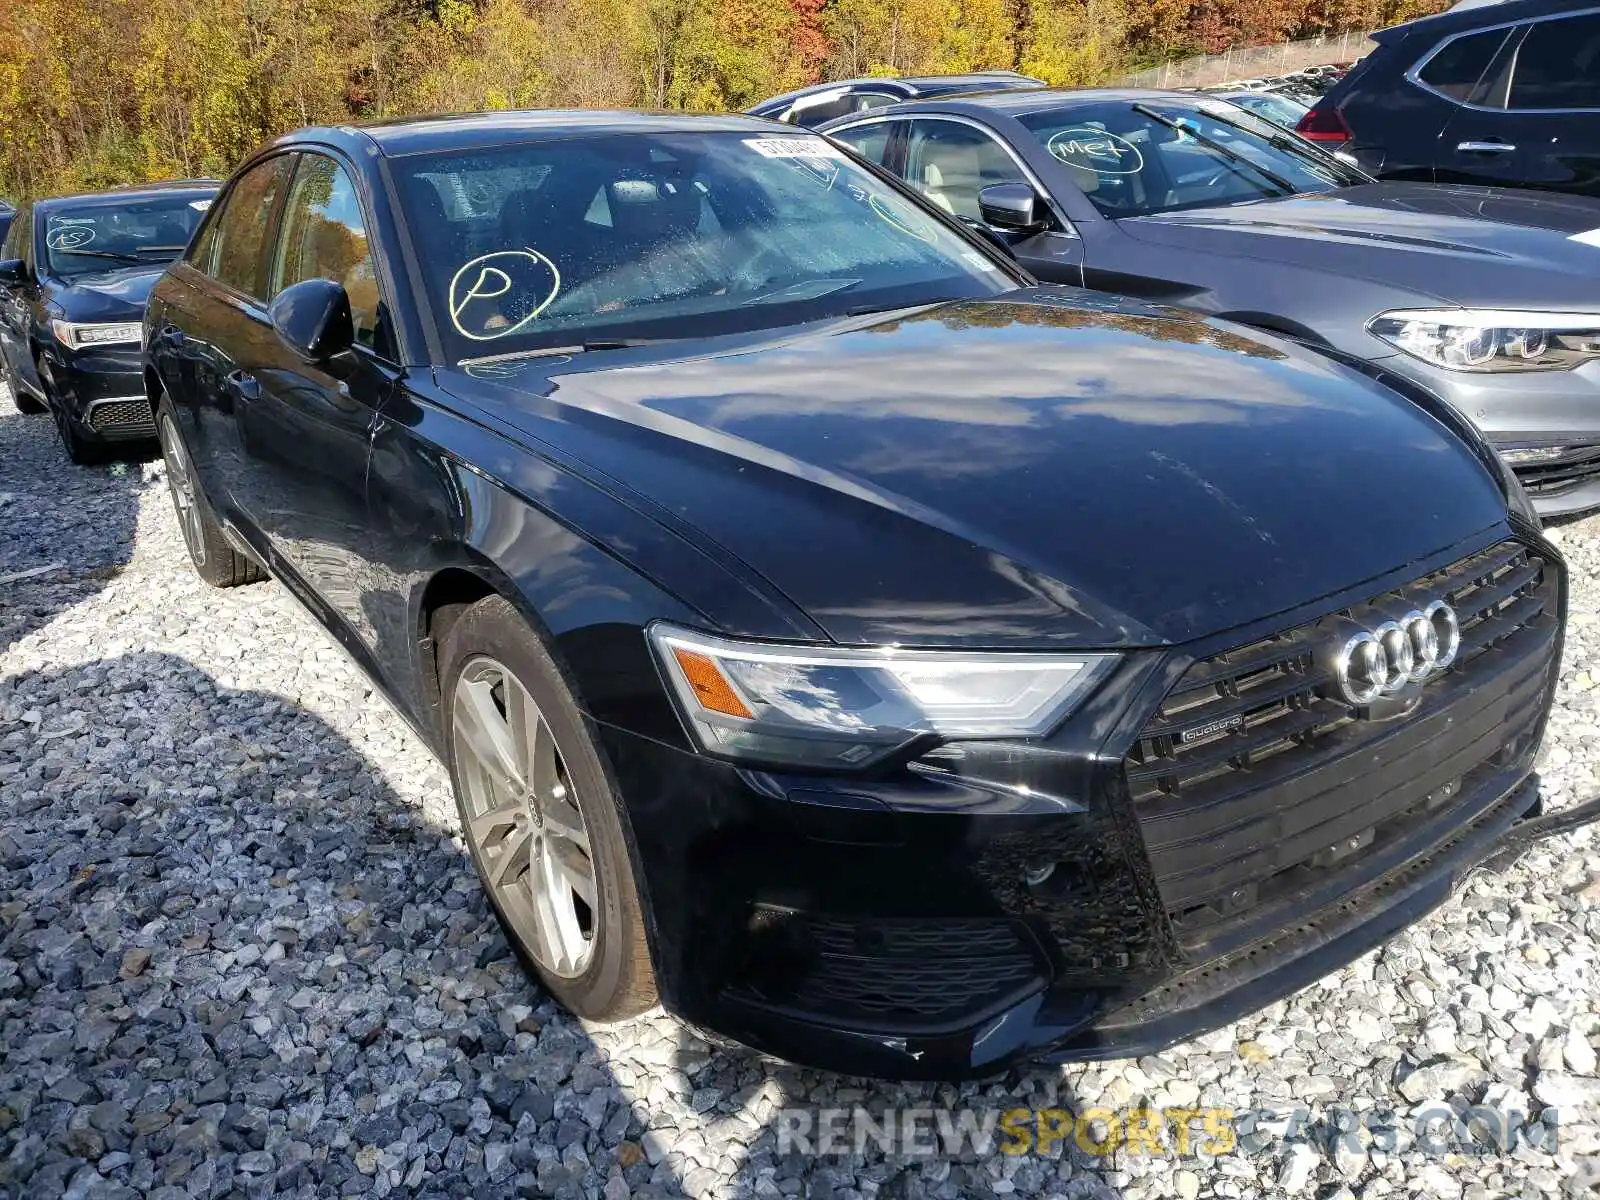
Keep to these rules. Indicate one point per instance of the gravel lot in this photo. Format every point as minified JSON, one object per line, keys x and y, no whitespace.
{"x":242,"y":953}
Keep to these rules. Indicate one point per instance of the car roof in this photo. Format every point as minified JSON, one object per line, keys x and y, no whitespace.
{"x":968,"y":79}
{"x":474,"y":131}
{"x":1492,"y":12}
{"x":1021,"y":102}
{"x":136,"y":191}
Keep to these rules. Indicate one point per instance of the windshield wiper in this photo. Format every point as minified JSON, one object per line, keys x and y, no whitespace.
{"x":118,"y":255}
{"x":1278,"y":181}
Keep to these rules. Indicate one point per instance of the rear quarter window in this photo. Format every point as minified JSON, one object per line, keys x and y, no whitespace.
{"x":1455,"y":69}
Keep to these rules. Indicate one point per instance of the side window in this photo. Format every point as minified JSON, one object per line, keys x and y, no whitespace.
{"x":871,"y":142}
{"x":236,"y":242}
{"x":1455,"y":70}
{"x":950,"y":164}
{"x":16,"y":243}
{"x":1558,"y":65}
{"x":813,"y":112}
{"x":325,"y":237}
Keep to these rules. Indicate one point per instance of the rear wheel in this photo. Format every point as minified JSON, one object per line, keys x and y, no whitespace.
{"x":214,"y":558}
{"x":541,"y":817}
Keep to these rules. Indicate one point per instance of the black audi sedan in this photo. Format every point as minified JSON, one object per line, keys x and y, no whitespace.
{"x":882,"y":663}
{"x":1487,"y":297}
{"x":74,"y":273}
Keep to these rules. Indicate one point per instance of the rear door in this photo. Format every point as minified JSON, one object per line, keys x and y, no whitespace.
{"x":1534,"y":121}
{"x":212,"y":324}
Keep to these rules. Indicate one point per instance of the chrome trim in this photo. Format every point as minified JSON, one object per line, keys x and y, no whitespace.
{"x":1385,"y":660}
{"x":1486,"y":147}
{"x":1413,"y":76}
{"x":1067,"y":228}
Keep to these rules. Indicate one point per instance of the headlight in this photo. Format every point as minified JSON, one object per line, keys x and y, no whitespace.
{"x":818,"y":706}
{"x":75,"y":336}
{"x":1489,"y":340}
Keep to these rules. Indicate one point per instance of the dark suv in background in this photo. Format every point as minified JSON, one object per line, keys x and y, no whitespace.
{"x":74,"y":274}
{"x":1501,"y":94}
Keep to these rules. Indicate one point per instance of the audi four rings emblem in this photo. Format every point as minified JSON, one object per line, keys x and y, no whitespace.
{"x":1381,"y":662}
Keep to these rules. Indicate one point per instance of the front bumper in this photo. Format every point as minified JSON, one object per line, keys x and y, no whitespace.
{"x":993,"y":903}
{"x":1546,"y":410}
{"x":101,"y":391}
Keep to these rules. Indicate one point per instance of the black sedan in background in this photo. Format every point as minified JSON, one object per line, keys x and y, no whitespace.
{"x":74,"y":273}
{"x":811,"y":106}
{"x":886,"y":665}
{"x":1489,"y":298}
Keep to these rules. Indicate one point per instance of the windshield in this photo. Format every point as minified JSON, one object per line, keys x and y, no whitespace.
{"x":661,"y":235}
{"x":80,"y":239}
{"x":1280,"y":110}
{"x":1133,"y":159}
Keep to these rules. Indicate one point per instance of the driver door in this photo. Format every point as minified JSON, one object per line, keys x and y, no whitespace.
{"x":950,"y":161}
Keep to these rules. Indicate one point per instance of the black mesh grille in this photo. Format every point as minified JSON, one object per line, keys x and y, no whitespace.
{"x":123,"y":418}
{"x":1255,"y":781}
{"x":908,"y":973}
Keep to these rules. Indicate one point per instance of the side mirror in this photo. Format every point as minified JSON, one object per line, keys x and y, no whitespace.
{"x":13,"y":270}
{"x":313,"y":318}
{"x":1011,"y":206}
{"x":990,"y":235}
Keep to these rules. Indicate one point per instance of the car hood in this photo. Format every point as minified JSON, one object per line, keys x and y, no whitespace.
{"x":1050,"y":469}
{"x":117,"y":295}
{"x":1464,"y":245}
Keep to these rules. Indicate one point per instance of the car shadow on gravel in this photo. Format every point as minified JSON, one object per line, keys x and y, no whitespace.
{"x":234,"y":962}
{"x":841,"y":1136}
{"x":65,"y":530}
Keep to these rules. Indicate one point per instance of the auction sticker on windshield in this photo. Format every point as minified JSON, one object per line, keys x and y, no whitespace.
{"x":1096,"y":150}
{"x":794,"y":147}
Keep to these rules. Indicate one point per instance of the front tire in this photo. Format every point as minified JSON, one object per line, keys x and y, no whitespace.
{"x":540,"y":816}
{"x":214,"y":558}
{"x":25,"y":402}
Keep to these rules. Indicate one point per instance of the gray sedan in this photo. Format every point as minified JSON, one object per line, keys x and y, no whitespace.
{"x":1488,"y":297}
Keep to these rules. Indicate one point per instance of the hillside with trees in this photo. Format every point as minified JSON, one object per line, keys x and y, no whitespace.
{"x":100,"y":92}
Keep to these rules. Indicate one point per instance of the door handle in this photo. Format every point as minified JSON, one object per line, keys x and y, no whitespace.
{"x":1486,"y":147}
{"x":243,"y":385}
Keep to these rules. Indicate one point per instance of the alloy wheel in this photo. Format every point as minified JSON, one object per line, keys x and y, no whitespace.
{"x":181,"y":480}
{"x":523,"y":818}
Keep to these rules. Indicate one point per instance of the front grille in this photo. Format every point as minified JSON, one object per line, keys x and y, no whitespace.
{"x":1579,"y":465}
{"x":1255,"y":782}
{"x":132,"y":418}
{"x":907,"y":973}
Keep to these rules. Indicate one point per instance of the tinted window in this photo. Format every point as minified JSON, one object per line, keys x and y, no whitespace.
{"x":1456,"y":69}
{"x":103,"y":234}
{"x":548,"y":243}
{"x":1558,"y":65}
{"x":871,"y":142}
{"x":816,"y":113}
{"x":239,"y":237}
{"x":324,"y":237}
{"x":16,"y":243}
{"x":1157,"y":156}
{"x":950,"y":163}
